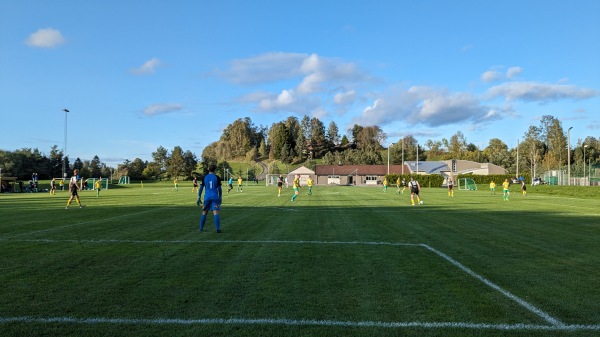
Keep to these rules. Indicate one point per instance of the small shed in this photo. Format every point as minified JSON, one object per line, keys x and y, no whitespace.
{"x":304,"y":173}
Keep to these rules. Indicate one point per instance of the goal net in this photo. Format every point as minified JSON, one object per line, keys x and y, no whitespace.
{"x":91,"y":183}
{"x":467,"y":184}
{"x":271,"y":179}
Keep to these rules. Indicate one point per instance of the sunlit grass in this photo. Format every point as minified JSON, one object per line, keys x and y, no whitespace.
{"x":343,"y":254}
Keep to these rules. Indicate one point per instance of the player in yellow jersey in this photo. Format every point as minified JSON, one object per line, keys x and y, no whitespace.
{"x":385,"y":184}
{"x":239,"y":186}
{"x":98,"y":186}
{"x":309,"y":183}
{"x":493,"y":188}
{"x":296,"y":185}
{"x":398,"y":185}
{"x":176,"y":185}
{"x":505,"y":190}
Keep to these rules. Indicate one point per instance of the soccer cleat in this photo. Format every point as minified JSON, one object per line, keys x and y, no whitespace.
{"x":67,"y":207}
{"x":81,"y":206}
{"x":218,"y":231}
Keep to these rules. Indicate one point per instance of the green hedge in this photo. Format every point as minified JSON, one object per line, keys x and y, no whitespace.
{"x":436,"y":180}
{"x":432,"y":180}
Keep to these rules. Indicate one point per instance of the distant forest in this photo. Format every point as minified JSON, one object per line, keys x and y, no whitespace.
{"x":309,"y":142}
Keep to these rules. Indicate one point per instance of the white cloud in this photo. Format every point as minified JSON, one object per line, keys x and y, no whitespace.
{"x":283,"y":100}
{"x":539,"y":92}
{"x":512,"y":72}
{"x":162,"y":108}
{"x":45,"y":38}
{"x":344,"y":98}
{"x":491,"y":76}
{"x":595,"y":125}
{"x":265,"y":68}
{"x":426,"y":106}
{"x":316,"y":78}
{"x":148,"y":67}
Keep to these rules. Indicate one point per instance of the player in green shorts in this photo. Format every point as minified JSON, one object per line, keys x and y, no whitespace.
{"x":296,"y":185}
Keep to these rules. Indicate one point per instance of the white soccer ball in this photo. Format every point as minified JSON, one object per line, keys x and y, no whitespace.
{"x":421,"y":203}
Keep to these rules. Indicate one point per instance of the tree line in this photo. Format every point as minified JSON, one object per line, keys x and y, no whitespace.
{"x":308,"y":141}
{"x":542,"y":148}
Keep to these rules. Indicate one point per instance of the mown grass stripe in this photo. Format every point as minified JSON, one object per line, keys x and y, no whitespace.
{"x":496,"y":287}
{"x":292,"y":322}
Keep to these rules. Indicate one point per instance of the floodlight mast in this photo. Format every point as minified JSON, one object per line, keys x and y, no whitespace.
{"x":388,"y":151}
{"x":64,"y":166}
{"x":569,"y":156}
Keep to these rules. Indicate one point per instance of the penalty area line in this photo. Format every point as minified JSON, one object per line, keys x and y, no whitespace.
{"x":280,"y":242}
{"x":523,"y":303}
{"x":296,"y":322}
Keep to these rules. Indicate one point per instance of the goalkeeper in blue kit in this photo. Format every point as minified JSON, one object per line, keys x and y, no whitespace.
{"x":212,"y":197}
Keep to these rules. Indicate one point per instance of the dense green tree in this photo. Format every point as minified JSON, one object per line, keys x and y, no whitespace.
{"x":56,"y":162}
{"x":531,"y":150}
{"x":435,"y":151}
{"x":278,"y":138}
{"x":553,"y":136}
{"x":318,"y":140}
{"x":136,"y":169}
{"x":77,"y":164}
{"x":95,"y":167}
{"x":333,"y":134}
{"x":497,"y":153}
{"x":410,"y":147}
{"x":176,"y":163}
{"x":344,"y":141}
{"x":160,"y":157}
{"x":457,"y":146}
{"x":189,"y":163}
{"x":369,"y":138}
{"x":262,"y":150}
{"x":241,"y":136}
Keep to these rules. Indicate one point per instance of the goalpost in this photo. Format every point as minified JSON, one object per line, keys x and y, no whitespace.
{"x":467,"y":184}
{"x":124,"y":180}
{"x":271,"y":179}
{"x":103,"y":183}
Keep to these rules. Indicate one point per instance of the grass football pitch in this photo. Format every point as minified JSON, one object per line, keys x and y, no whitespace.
{"x":345,"y":261}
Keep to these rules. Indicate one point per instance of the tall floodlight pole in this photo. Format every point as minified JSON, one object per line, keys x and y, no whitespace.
{"x":417,"y":158}
{"x":517,"y":159}
{"x":569,"y":156}
{"x":584,"y":146}
{"x":64,"y":166}
{"x":389,"y":157}
{"x":403,"y":155}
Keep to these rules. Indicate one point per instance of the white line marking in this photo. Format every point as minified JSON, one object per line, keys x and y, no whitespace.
{"x":295,"y":322}
{"x":489,"y":283}
{"x":215,"y":241}
{"x":555,"y":322}
{"x":85,"y":222}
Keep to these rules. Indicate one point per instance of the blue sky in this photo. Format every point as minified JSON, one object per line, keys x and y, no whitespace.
{"x":136,"y":75}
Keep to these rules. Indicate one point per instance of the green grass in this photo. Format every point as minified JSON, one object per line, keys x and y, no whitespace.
{"x":345,"y":261}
